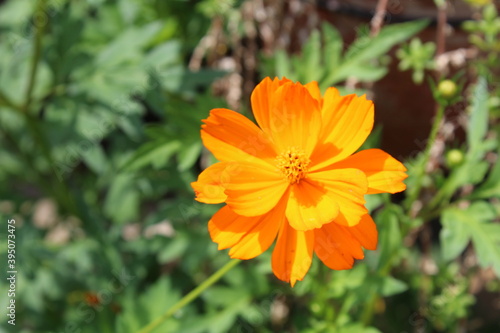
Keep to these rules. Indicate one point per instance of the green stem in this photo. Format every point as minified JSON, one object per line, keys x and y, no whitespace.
{"x":369,"y":309}
{"x":40,"y":10}
{"x":427,"y":154}
{"x":60,"y":189}
{"x":190,"y":297}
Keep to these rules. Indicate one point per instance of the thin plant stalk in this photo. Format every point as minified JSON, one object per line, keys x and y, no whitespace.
{"x":427,"y":154}
{"x":37,"y":52}
{"x":189,"y":297}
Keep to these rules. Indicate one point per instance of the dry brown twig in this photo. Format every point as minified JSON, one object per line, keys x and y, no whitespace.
{"x":378,"y":19}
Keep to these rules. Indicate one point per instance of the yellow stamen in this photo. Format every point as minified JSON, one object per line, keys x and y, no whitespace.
{"x":292,"y":163}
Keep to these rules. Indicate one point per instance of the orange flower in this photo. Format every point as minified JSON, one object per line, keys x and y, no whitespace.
{"x":295,"y":177}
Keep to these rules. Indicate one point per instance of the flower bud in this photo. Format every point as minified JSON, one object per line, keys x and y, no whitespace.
{"x":447,"y":89}
{"x":454,"y":157}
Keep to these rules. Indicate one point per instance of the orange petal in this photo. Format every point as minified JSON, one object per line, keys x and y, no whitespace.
{"x":332,"y":95}
{"x":309,"y":206}
{"x":384,"y":172}
{"x":261,"y":99}
{"x":336,"y":247}
{"x":251,"y":189}
{"x":365,"y":232}
{"x":209,"y":187}
{"x":347,"y":122}
{"x":292,"y":118}
{"x":292,"y":254}
{"x":347,"y":188}
{"x":231,"y":136}
{"x":247,"y":237}
{"x":313,"y":89}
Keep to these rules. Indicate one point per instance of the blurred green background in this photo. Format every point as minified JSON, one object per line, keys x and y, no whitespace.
{"x":101,"y":104}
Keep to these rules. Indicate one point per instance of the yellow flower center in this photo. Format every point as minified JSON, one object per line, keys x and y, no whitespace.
{"x":293,"y":163}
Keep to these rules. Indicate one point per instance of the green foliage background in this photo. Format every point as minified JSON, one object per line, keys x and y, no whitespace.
{"x":99,"y":136}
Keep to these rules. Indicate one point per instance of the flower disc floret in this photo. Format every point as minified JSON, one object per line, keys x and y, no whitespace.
{"x":293,"y":164}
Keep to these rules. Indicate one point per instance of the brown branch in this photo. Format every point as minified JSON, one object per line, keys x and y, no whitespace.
{"x":440,"y":31}
{"x":378,"y":18}
{"x":375,"y":27}
{"x":207,"y":43}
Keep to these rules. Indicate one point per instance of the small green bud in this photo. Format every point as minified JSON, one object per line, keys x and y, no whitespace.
{"x":447,"y":89}
{"x":316,"y":308}
{"x":454,"y":157}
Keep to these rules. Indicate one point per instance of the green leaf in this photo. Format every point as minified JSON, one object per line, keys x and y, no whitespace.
{"x":474,"y":223}
{"x":478,"y":123}
{"x":175,"y":248}
{"x":283,"y":65}
{"x":165,"y":54}
{"x":390,"y":237}
{"x":156,"y":153}
{"x":127,"y":45}
{"x":467,"y":173}
{"x":390,"y":286}
{"x":188,"y":156}
{"x":310,"y":61}
{"x":219,"y":319}
{"x":333,"y":47}
{"x":224,"y":296}
{"x":192,"y":81}
{"x":368,"y":72}
{"x":131,"y":126}
{"x":491,"y":187}
{"x":122,"y":200}
{"x":346,"y":281}
{"x":95,"y":158}
{"x":365,"y":49}
{"x":15,"y":73}
{"x":138,"y":312}
{"x":15,"y":13}
{"x":454,"y":238}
